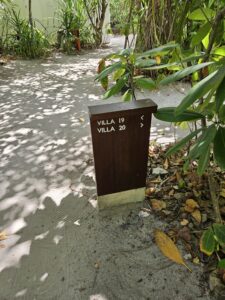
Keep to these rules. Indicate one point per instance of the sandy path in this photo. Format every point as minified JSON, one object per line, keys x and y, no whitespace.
{"x":59,"y":246}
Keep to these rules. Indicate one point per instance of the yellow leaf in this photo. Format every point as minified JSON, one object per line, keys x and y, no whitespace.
{"x":158,"y":60}
{"x":3,"y":236}
{"x":191,"y":205}
{"x":168,"y":248}
{"x":197,"y":215}
{"x":158,"y":204}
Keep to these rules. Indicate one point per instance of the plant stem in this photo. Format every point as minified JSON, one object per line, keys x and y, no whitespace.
{"x":214,"y":197}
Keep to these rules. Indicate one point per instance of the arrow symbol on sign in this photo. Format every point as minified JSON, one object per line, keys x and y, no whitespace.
{"x":142,"y":117}
{"x":142,"y":125}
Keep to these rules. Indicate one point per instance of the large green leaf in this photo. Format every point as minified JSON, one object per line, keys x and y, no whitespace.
{"x":219,"y":147}
{"x":168,"y":114}
{"x":183,"y":73}
{"x":118,"y":73}
{"x":207,"y":242}
{"x":183,"y":142}
{"x":219,"y":51}
{"x":115,"y":89}
{"x":201,"y":34}
{"x":160,"y":50}
{"x":220,"y":95}
{"x":201,"y":14}
{"x":219,"y":231}
{"x":145,"y":83}
{"x":144,"y":63}
{"x":203,"y":162}
{"x":203,"y":143}
{"x":109,"y":70}
{"x":222,"y":113}
{"x":127,"y":96}
{"x":212,"y":81}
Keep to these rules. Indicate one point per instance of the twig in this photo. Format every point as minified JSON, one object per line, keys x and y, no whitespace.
{"x":214,"y":197}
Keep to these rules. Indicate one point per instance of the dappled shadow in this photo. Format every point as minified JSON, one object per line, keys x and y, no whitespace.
{"x":59,"y":246}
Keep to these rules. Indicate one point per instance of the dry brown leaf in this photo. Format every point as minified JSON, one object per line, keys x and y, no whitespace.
{"x":168,"y":248}
{"x":3,"y":236}
{"x":197,"y":215}
{"x":184,"y":222}
{"x":190,"y":205}
{"x":2,"y":246}
{"x":185,"y":234}
{"x":166,"y":164}
{"x":196,"y":261}
{"x":158,"y":205}
{"x":171,"y":193}
{"x":149,"y":191}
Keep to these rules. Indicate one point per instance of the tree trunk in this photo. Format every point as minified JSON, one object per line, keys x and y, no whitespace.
{"x":30,"y":13}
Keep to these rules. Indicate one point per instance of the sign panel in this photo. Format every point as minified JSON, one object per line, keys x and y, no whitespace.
{"x":120,"y":136}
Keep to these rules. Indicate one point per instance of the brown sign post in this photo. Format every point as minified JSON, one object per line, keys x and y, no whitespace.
{"x":120,"y":137}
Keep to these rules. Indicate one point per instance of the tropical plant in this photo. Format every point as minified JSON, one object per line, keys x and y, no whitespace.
{"x":212,"y":241}
{"x":127,"y":67}
{"x":72,"y":19}
{"x":20,"y":37}
{"x":96,"y":12}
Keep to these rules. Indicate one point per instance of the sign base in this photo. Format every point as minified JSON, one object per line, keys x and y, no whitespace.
{"x":116,"y":199}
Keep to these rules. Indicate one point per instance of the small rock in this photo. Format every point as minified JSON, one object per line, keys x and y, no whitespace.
{"x":204,"y":218}
{"x":187,"y":256}
{"x":143,"y":214}
{"x":159,"y":171}
{"x":178,"y":196}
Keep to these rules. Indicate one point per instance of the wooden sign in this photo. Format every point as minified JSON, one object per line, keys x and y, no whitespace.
{"x":120,"y":137}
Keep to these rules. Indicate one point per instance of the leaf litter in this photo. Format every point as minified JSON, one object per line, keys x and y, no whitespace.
{"x":181,"y":199}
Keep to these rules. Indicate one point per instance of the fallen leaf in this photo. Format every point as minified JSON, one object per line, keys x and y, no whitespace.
{"x":149,"y":191}
{"x":81,"y":120}
{"x":190,"y":205}
{"x":2,"y":246}
{"x":184,"y":234}
{"x":168,"y":248}
{"x":166,"y":164}
{"x":171,"y":193}
{"x":3,"y":236}
{"x":196,"y":261}
{"x":184,"y":222}
{"x":158,"y":205}
{"x":197,"y":215}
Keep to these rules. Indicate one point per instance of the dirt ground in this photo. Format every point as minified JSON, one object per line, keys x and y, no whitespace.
{"x":59,"y":245}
